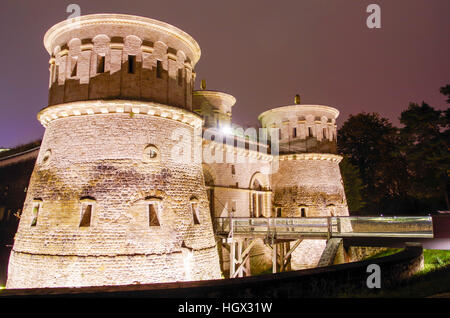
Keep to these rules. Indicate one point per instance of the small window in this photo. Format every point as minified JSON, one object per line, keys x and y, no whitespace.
{"x":74,"y":67}
{"x":325,"y":133}
{"x":310,"y":133}
{"x":279,"y":134}
{"x":233,"y":170}
{"x":35,"y":212}
{"x":131,"y":64}
{"x":294,"y":132}
{"x":159,"y":69}
{"x":303,"y":212}
{"x":46,"y":157}
{"x":151,"y":154}
{"x":194,"y":210}
{"x":180,"y":77}
{"x":86,"y":214}
{"x":153,"y":218}
{"x":56,"y":73}
{"x":278,"y":212}
{"x":100,"y":64}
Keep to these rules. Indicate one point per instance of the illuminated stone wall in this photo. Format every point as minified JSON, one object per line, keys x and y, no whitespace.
{"x":121,"y":101}
{"x":308,"y":181}
{"x":107,"y":56}
{"x":116,"y":159}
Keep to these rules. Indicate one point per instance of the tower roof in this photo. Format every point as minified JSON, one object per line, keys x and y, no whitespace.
{"x":306,"y":109}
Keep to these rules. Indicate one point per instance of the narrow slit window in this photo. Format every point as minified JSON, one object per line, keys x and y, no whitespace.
{"x":194,"y":210}
{"x":74,"y":68}
{"x":180,"y":77}
{"x":303,"y":212}
{"x":86,"y":215}
{"x":56,"y":73}
{"x":294,"y":132}
{"x":278,"y":212}
{"x":233,"y":170}
{"x":159,"y":69}
{"x":279,"y":134}
{"x":310,"y":134}
{"x":153,"y":214}
{"x":325,"y":133}
{"x":36,"y":208}
{"x":100,"y":64}
{"x":131,"y":64}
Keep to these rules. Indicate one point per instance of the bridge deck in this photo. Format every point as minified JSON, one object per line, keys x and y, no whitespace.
{"x":326,"y":227}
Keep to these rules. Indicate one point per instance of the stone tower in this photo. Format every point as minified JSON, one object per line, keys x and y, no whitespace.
{"x":308,"y":182}
{"x":117,"y":195}
{"x":214,"y":107}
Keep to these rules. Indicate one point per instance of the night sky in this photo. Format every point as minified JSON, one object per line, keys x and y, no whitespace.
{"x":261,"y":52}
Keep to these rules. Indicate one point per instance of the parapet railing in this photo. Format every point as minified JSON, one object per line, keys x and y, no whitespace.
{"x":327,"y":227}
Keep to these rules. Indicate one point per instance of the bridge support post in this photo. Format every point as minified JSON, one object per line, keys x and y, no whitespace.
{"x":240,"y":257}
{"x":281,"y":255}
{"x":274,"y":258}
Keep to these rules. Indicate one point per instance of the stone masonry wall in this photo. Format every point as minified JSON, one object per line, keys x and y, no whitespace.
{"x":101,"y":157}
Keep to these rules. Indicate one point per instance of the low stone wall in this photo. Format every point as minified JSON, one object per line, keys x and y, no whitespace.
{"x":318,"y":282}
{"x":359,"y":253}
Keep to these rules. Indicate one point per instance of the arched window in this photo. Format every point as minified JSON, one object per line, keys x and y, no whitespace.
{"x":87,"y":209}
{"x":302,"y":209}
{"x":153,"y":205}
{"x":331,"y":209}
{"x":257,"y":198}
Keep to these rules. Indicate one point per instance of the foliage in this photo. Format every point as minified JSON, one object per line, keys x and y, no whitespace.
{"x":403,"y":170}
{"x":426,"y":143}
{"x":353,"y":185}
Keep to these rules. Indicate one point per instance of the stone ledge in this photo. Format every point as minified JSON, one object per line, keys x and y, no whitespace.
{"x":82,"y":108}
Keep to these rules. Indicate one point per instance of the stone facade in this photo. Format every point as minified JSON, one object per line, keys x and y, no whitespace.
{"x":128,"y":178}
{"x":108,"y":201}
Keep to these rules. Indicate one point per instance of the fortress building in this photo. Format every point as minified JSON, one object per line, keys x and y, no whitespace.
{"x":121,"y":192}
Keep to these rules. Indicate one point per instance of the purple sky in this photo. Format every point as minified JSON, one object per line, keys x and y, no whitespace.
{"x":262,"y":52}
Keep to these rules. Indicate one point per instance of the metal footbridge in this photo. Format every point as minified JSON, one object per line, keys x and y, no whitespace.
{"x":283,"y":235}
{"x":325,"y":227}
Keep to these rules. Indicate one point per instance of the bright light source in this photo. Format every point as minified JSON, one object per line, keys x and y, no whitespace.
{"x":2,"y":287}
{"x":226,"y":130}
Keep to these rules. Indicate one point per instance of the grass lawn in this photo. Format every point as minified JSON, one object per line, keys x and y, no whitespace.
{"x":433,"y":279}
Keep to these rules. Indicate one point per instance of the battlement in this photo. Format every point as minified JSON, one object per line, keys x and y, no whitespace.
{"x":214,"y":107}
{"x":115,"y":56}
{"x":303,"y":128}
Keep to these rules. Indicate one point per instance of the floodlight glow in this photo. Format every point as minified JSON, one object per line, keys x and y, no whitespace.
{"x":226,"y":130}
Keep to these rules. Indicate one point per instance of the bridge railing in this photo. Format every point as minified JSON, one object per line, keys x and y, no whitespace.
{"x":347,"y":226}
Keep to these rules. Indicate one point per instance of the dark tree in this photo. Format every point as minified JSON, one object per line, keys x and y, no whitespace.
{"x":445,"y":90}
{"x":371,"y":143}
{"x":353,"y":186}
{"x":426,"y":144}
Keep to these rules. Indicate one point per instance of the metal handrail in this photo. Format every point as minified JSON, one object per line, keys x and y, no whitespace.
{"x":335,"y":226}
